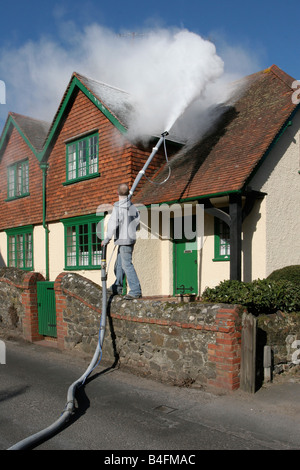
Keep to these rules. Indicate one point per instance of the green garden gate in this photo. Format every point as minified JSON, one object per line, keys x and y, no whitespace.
{"x":46,"y":308}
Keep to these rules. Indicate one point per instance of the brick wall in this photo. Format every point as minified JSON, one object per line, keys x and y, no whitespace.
{"x":226,"y":351}
{"x":29,"y":301}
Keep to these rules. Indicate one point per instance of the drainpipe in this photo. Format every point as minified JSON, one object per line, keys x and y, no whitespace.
{"x":44,"y":167}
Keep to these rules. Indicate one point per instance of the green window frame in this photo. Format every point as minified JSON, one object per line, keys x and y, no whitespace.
{"x":20,"y":248}
{"x":83,"y":236}
{"x":82,"y":157}
{"x":222,"y":241}
{"x":18,"y":180}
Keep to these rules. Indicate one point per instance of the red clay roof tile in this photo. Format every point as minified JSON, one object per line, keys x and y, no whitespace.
{"x":224,"y":160}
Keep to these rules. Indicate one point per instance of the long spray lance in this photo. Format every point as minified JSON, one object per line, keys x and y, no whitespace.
{"x":49,"y":431}
{"x":150,"y":158}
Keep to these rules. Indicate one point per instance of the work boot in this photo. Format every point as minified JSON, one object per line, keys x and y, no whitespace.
{"x":132,"y":297}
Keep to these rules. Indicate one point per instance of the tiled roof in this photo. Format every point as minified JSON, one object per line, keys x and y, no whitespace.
{"x":224,"y":160}
{"x":116,"y":102}
{"x":34,"y":131}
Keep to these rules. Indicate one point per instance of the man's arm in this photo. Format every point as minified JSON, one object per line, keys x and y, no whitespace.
{"x":111,"y":226}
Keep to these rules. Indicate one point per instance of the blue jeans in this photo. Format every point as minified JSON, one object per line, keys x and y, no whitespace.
{"x":124,"y":266}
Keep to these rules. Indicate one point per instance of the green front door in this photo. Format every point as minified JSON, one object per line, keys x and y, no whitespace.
{"x":185,"y":267}
{"x":46,"y":308}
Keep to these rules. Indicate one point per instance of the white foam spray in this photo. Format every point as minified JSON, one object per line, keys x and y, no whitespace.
{"x":164,"y":70}
{"x":179,"y":67}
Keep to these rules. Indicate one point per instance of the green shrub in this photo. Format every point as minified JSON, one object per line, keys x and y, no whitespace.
{"x":229,"y":292}
{"x":289,"y":273}
{"x":259,"y":296}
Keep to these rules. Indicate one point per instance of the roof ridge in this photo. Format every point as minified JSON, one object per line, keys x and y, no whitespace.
{"x":13,"y":113}
{"x":79,"y":75}
{"x":17,"y":118}
{"x":281,"y":75}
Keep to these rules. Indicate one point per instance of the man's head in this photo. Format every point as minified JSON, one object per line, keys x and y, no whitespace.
{"x":123,"y":190}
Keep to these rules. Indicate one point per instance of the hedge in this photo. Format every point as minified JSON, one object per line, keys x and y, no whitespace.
{"x":288,"y":273}
{"x":259,"y":296}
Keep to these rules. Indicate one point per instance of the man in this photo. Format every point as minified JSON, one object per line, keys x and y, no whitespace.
{"x":122,"y":226}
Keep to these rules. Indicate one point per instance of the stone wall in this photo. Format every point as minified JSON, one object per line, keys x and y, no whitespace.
{"x":11,"y":289}
{"x":181,"y":343}
{"x":18,"y":301}
{"x":281,"y":331}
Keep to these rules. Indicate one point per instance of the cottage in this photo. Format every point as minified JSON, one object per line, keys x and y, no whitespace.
{"x":21,"y":193}
{"x":51,"y":192}
{"x":241,"y":177}
{"x":245,"y":172}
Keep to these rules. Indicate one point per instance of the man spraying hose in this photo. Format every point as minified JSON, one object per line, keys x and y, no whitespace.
{"x":122,"y":226}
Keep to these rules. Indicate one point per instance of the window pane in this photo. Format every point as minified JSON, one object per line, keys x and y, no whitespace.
{"x":19,"y":179}
{"x":71,"y":161}
{"x":83,"y":245}
{"x":93,"y":154}
{"x":82,"y":158}
{"x":96,"y":246}
{"x":20,"y":251}
{"x":11,"y":181}
{"x":28,"y":250}
{"x":71,"y":246}
{"x":224,"y":239}
{"x":12,"y":251}
{"x":25,"y":178}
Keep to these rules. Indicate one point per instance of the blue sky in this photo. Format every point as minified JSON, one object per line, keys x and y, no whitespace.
{"x":39,"y":40}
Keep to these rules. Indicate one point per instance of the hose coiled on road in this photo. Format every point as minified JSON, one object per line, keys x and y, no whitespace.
{"x":32,"y":440}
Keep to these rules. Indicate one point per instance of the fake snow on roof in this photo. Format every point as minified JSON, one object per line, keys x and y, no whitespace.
{"x":118,"y":101}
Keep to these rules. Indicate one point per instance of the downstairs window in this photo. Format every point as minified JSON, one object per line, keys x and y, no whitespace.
{"x":20,"y":248}
{"x":83,"y":242}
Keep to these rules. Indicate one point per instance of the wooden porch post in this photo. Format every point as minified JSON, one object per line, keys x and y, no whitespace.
{"x":235,"y":213}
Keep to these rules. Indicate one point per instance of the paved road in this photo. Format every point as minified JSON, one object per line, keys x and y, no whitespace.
{"x":117,"y":410}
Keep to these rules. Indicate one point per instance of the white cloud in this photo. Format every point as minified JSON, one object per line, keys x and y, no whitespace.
{"x":164,"y":68}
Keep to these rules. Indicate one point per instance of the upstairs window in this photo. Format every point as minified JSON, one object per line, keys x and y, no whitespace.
{"x":82,"y":158}
{"x":222,"y":241}
{"x":18,"y":180}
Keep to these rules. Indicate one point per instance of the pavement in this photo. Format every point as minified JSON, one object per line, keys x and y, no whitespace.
{"x":282,"y":393}
{"x":269,"y":418}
